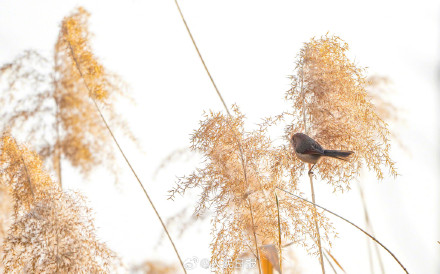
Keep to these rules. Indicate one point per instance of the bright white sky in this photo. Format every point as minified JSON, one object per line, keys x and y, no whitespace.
{"x":250,"y":48}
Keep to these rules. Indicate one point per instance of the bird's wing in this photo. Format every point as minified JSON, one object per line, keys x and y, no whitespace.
{"x":314,"y":150}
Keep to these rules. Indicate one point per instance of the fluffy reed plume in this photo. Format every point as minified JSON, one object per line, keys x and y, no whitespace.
{"x":242,"y":199}
{"x":83,"y":78}
{"x":52,"y":231}
{"x":331,"y":104}
{"x":56,"y":107}
{"x":23,"y":176}
{"x":80,"y":61}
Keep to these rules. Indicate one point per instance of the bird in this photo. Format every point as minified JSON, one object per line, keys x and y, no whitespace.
{"x":310,"y":151}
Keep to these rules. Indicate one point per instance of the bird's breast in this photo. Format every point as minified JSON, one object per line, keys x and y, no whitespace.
{"x":308,"y":158}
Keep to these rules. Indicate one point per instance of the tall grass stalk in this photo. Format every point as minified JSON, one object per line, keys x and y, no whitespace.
{"x":316,"y":222}
{"x":279,"y":232}
{"x":334,"y":259}
{"x":370,"y":228}
{"x":255,"y":237}
{"x":339,"y":216}
{"x":243,"y":161}
{"x":330,"y":263}
{"x":321,"y":260}
{"x":123,"y":154}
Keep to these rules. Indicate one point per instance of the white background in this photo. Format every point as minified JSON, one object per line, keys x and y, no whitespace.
{"x":250,"y":48}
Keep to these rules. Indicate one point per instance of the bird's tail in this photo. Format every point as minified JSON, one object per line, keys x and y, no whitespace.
{"x":338,"y":154}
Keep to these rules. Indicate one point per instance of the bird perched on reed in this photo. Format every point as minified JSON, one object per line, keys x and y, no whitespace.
{"x":310,"y":151}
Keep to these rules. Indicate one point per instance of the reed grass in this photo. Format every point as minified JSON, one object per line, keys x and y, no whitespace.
{"x":68,"y":36}
{"x":351,"y":223}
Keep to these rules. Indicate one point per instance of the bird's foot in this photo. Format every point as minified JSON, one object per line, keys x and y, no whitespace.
{"x":310,"y":169}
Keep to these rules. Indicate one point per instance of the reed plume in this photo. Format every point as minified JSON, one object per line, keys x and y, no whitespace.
{"x":50,"y":104}
{"x":81,"y":61}
{"x":231,"y":195}
{"x":329,"y":101}
{"x":52,"y":231}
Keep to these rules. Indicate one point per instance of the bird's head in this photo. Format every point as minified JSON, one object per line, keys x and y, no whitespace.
{"x":296,"y":139}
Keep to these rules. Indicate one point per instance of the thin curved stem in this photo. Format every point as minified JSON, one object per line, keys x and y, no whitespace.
{"x":279,"y":232}
{"x":255,"y":237}
{"x":330,"y":263}
{"x":339,"y":216}
{"x":303,"y":93}
{"x":321,"y":259}
{"x":315,"y":219}
{"x":370,"y":227}
{"x":216,"y":89}
{"x":240,"y":147}
{"x":123,"y":154}
{"x":201,"y":59}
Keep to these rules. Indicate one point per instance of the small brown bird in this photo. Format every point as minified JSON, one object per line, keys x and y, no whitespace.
{"x":310,"y":151}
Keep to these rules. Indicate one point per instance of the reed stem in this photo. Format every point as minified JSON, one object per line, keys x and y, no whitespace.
{"x":339,"y":216}
{"x":91,"y":95}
